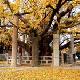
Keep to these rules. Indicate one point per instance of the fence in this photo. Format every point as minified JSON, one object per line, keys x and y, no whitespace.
{"x":43,"y":60}
{"x":3,"y":60}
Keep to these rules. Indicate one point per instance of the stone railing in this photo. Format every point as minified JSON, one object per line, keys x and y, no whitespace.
{"x":43,"y":60}
{"x":3,"y":57}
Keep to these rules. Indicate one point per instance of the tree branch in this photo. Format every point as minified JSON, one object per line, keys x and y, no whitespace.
{"x":12,"y":23}
{"x":41,"y":22}
{"x":72,"y":25}
{"x":25,"y":21}
{"x":7,"y":2}
{"x":64,"y":2}
{"x":20,"y":14}
{"x":49,"y":6}
{"x":58,"y":6}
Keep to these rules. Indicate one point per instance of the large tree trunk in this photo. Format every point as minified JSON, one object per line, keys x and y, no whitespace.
{"x":35,"y":51}
{"x":71,"y":51}
{"x":55,"y":54}
{"x":14,"y":45}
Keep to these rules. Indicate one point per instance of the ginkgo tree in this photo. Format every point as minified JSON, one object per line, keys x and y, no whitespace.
{"x":35,"y":18}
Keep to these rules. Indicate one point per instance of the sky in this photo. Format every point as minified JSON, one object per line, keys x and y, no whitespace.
{"x":11,"y":0}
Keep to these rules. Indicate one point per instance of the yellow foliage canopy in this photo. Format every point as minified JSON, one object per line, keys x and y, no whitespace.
{"x":36,"y":7}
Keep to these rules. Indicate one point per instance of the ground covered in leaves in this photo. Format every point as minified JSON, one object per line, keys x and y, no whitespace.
{"x":39,"y":73}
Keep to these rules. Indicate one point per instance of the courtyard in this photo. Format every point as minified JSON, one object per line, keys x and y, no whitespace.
{"x":40,"y":73}
{"x":39,"y":39}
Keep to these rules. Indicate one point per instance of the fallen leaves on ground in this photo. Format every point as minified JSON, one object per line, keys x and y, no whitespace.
{"x":39,"y":73}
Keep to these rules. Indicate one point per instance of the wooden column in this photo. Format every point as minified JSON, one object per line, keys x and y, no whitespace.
{"x":34,"y":51}
{"x":55,"y":54}
{"x":14,"y":44}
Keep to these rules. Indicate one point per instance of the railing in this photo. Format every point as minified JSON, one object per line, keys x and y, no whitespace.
{"x":3,"y":57}
{"x":43,"y":60}
{"x":3,"y":60}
